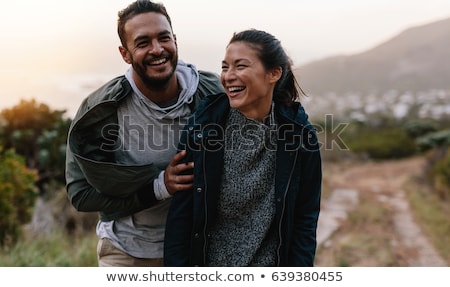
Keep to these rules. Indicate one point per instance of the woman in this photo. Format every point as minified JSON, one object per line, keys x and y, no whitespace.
{"x":257,"y":167}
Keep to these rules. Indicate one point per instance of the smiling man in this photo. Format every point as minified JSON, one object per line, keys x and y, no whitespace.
{"x":122,"y":158}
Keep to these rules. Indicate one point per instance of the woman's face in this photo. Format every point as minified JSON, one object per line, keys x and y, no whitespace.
{"x":248,"y":85}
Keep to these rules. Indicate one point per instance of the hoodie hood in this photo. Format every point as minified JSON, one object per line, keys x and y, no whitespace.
{"x":188,"y":78}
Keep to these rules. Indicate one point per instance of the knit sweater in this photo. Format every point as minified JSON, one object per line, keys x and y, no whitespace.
{"x":242,"y":235}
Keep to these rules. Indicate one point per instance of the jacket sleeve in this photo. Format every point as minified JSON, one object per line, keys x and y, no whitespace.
{"x":86,"y":198}
{"x":86,"y":191}
{"x":307,"y":207}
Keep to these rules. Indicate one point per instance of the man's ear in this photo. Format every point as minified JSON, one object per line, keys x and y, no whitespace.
{"x":125,"y":54}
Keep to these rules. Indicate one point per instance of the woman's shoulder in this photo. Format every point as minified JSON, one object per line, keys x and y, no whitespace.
{"x":294,"y":112}
{"x":212,"y":108}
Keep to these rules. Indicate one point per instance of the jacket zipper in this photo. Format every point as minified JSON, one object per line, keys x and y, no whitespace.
{"x":206,"y":207}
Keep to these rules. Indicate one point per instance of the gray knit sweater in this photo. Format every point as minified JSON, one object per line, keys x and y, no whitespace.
{"x":243,"y":234}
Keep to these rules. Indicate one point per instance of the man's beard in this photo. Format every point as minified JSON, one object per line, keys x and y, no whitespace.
{"x":155,"y":82}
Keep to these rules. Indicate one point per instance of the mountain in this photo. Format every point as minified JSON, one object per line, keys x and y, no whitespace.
{"x":418,"y":59}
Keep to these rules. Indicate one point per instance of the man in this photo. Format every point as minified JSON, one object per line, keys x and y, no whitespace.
{"x":121,"y":155}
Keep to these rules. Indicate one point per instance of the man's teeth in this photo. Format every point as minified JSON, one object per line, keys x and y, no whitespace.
{"x":159,"y":61}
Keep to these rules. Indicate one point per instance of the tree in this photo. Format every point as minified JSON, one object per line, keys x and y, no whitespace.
{"x":39,"y":134}
{"x":17,"y":195}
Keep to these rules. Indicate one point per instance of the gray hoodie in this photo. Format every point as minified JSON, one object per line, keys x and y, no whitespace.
{"x":95,"y":180}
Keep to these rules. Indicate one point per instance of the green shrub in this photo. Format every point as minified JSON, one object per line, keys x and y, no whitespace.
{"x":433,"y":140}
{"x":387,"y":143}
{"x":441,"y":176}
{"x":418,"y":128}
{"x":17,"y":195}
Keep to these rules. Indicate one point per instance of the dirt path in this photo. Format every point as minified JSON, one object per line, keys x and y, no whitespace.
{"x":385,"y":181}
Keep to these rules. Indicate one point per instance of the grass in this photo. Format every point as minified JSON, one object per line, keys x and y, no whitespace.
{"x":363,"y":240}
{"x":367,"y":237}
{"x":432,"y":213}
{"x":54,"y":250}
{"x":368,"y":243}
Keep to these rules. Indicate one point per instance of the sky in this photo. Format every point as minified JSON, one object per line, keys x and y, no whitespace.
{"x":58,"y":51}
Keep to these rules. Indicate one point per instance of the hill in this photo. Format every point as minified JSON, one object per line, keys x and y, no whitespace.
{"x":415,"y":60}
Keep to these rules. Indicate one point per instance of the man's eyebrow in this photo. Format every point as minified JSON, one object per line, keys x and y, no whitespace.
{"x":145,"y":37}
{"x":141,"y":37}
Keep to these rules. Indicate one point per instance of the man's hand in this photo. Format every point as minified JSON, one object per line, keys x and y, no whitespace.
{"x":178,"y":176}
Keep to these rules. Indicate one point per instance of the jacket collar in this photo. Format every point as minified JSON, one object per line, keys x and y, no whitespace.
{"x":215,"y":108}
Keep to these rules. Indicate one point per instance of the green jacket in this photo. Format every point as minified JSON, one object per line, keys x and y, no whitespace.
{"x":94,"y":181}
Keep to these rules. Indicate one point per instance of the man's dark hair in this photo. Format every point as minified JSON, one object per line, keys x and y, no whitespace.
{"x":136,"y":8}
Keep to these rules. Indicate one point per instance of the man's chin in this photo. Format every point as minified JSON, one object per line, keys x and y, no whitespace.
{"x":158,"y":82}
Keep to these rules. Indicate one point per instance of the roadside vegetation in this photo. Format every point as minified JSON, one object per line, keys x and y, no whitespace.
{"x":365,"y":238}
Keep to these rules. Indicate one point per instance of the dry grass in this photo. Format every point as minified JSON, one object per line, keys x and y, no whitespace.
{"x":369,"y":237}
{"x":432,"y":213}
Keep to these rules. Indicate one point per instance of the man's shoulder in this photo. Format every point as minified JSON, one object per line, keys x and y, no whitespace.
{"x":114,"y":89}
{"x":209,"y":83}
{"x":208,"y":74}
{"x":111,"y":88}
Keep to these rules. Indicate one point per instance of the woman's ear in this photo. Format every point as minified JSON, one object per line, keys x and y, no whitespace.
{"x":275,"y":74}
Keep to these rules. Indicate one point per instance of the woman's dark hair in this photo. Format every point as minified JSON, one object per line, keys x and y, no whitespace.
{"x":136,"y":8}
{"x":272,"y":55}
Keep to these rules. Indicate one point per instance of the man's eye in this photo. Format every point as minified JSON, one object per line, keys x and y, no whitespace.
{"x":141,"y":44}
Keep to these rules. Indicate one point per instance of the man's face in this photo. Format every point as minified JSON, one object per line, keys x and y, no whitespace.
{"x":151,"y":49}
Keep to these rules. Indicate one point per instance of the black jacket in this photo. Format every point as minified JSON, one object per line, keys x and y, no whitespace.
{"x":297,"y":186}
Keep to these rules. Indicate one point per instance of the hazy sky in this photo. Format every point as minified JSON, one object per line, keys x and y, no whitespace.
{"x":57,"y":51}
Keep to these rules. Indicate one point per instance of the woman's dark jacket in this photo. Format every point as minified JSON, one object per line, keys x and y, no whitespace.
{"x":297,"y":186}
